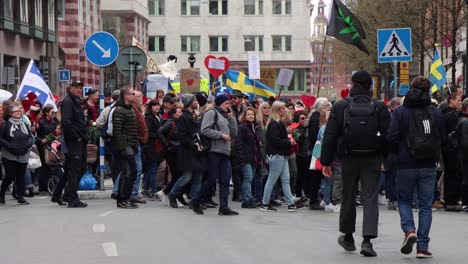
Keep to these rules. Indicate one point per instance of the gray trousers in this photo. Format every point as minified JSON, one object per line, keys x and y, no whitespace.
{"x":337,"y":195}
{"x":367,"y":170}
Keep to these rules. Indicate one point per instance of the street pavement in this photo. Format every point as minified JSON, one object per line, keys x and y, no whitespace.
{"x":46,"y":233}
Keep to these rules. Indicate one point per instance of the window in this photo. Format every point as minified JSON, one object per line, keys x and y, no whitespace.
{"x":38,"y":13}
{"x":218,"y":43}
{"x":281,"y":43}
{"x":88,"y":12}
{"x":80,"y":11}
{"x":61,"y":9}
{"x":157,"y":44}
{"x":253,"y":7}
{"x":281,"y":7}
{"x":218,"y":7}
{"x":253,"y":43}
{"x":156,"y":7}
{"x":190,"y":7}
{"x":51,"y":15}
{"x":190,"y":43}
{"x":8,"y":8}
{"x":24,"y":14}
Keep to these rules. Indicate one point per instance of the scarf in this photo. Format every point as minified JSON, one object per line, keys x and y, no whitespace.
{"x":17,"y":124}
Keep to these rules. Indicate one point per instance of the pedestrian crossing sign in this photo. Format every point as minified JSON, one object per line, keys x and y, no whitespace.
{"x":64,"y":76}
{"x":394,"y":44}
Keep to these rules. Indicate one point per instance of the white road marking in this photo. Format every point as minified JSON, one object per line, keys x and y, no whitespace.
{"x":110,"y":249}
{"x":107,"y":213}
{"x":99,"y":228}
{"x":39,"y":197}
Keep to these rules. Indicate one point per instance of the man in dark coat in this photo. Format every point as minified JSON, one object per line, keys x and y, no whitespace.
{"x":75,"y":138}
{"x":357,"y":166}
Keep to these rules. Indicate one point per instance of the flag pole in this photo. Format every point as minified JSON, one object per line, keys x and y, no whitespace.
{"x":321,"y":65}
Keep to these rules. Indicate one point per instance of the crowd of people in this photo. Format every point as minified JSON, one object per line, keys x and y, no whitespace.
{"x":332,"y":156}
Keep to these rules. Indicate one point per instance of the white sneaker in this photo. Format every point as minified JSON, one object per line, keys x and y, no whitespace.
{"x":322,"y":204}
{"x":337,"y":208}
{"x":163,"y":197}
{"x":329,"y":207}
{"x":179,"y":204}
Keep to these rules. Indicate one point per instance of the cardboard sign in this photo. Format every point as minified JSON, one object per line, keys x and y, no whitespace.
{"x":254,"y":65}
{"x":189,"y":80}
{"x":267,"y":77}
{"x":285,"y":77}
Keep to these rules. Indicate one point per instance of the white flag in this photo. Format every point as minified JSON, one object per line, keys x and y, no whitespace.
{"x":33,"y":82}
{"x":168,"y":69}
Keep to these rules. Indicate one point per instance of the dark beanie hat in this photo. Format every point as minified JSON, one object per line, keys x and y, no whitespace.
{"x":362,"y":77}
{"x":221,"y":99}
{"x":201,"y":98}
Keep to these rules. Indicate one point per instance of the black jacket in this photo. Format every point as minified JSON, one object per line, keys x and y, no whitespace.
{"x":332,"y":145}
{"x":124,"y":127}
{"x":46,"y":127}
{"x":187,"y":127}
{"x":166,"y":133}
{"x":248,"y":144}
{"x":313,"y":129}
{"x":399,"y":126}
{"x":74,"y":126}
{"x":153,"y":123}
{"x":277,"y":139}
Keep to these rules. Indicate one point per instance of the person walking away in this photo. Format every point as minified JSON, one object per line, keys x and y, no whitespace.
{"x":16,"y":140}
{"x":417,"y":133}
{"x":278,"y":148}
{"x":390,"y":166}
{"x":219,"y":125}
{"x":462,"y":139}
{"x":360,"y":125}
{"x":74,"y":131}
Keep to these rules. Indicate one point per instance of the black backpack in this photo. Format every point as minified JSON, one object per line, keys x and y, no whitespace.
{"x":203,"y":143}
{"x":361,"y":125}
{"x":423,"y":139}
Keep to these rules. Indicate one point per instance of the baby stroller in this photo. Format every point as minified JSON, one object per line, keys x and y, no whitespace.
{"x":55,"y":160}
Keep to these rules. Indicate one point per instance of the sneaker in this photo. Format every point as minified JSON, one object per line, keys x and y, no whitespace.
{"x":465,"y":209}
{"x":437,"y":205}
{"x":227,"y":211}
{"x":322,"y":204}
{"x":196,"y":208}
{"x":137,"y":199}
{"x":22,"y":201}
{"x":163,"y":197}
{"x":181,"y":200}
{"x":315,"y":206}
{"x":267,"y":208}
{"x":173,"y":201}
{"x":210,"y":201}
{"x":275,"y":203}
{"x":209,"y":205}
{"x":410,"y":239}
{"x":295,"y":207}
{"x":423,"y":254}
{"x":146,"y":194}
{"x":367,"y":250}
{"x":114,"y":196}
{"x":337,"y":208}
{"x":347,"y":244}
{"x":329,"y":207}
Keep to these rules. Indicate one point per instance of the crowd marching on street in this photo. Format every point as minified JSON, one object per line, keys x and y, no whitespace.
{"x":276,"y":153}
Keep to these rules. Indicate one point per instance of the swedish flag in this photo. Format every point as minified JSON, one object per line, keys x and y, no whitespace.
{"x":437,"y":74}
{"x":238,"y":80}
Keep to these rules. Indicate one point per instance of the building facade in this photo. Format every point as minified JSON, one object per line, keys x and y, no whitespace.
{"x":77,"y":20}
{"x":278,"y":30}
{"x":28,"y":31}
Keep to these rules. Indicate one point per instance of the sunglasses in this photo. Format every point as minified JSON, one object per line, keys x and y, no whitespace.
{"x":302,"y":118}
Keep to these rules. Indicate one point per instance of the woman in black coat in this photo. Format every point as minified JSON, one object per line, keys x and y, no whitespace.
{"x":16,"y":140}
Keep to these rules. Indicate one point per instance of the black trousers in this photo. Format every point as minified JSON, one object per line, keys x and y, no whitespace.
{"x":303,"y":180}
{"x":75,"y":166}
{"x":127,"y":178}
{"x":14,"y":171}
{"x":236,"y":175}
{"x":364,"y":169}
{"x":171,"y":159}
{"x":315,"y":180}
{"x":452,"y":178}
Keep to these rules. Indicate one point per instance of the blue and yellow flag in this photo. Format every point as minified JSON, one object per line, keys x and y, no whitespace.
{"x":238,"y":80}
{"x":437,"y":74}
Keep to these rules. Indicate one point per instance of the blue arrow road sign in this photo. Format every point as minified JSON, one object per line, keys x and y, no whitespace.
{"x":64,"y":76}
{"x":101,"y":49}
{"x":394,"y":44}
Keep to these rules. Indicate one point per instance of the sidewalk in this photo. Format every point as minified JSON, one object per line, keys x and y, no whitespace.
{"x":98,"y":195}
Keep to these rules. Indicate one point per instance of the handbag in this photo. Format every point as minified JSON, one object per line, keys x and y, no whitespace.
{"x":315,"y":161}
{"x":34,"y":161}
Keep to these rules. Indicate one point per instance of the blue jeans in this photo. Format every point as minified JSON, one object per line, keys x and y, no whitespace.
{"x":279,"y":168}
{"x":149,"y":178}
{"x":136,"y":184}
{"x":248,"y":171}
{"x":327,"y":189}
{"x":186,"y":177}
{"x":422,"y":180}
{"x":257,"y":185}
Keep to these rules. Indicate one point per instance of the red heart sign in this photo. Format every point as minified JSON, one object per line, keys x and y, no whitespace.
{"x":190,"y":82}
{"x":308,"y":100}
{"x":344,"y":93}
{"x":216,"y":66}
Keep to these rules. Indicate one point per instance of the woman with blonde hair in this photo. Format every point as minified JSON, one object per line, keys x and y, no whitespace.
{"x":278,"y":148}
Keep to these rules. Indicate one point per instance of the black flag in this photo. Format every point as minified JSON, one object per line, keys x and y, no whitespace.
{"x":345,"y":26}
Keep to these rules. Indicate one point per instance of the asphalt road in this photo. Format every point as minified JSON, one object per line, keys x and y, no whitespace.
{"x":45,"y":233}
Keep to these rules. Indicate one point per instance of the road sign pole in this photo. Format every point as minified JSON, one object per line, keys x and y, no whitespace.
{"x":395,"y":78}
{"x":131,"y":62}
{"x":101,"y":139}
